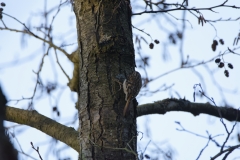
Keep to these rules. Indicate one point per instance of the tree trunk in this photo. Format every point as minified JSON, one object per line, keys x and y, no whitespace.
{"x":105,"y":51}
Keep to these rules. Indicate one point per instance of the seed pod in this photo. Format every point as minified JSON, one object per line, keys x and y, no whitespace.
{"x":3,"y":4}
{"x":151,"y":45}
{"x":156,"y":41}
{"x":215,"y":42}
{"x":217,"y":60}
{"x":230,"y":65}
{"x":221,"y":65}
{"x":213,"y":47}
{"x":226,"y":73}
{"x":221,"y":41}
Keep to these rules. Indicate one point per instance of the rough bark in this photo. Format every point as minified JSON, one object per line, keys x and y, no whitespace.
{"x":105,"y":51}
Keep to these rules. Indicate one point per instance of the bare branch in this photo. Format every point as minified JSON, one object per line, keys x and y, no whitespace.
{"x":229,"y":150}
{"x":44,"y":40}
{"x":180,"y":7}
{"x":168,"y":105}
{"x":61,"y":65}
{"x":44,"y":124}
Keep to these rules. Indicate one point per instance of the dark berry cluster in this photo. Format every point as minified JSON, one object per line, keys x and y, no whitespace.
{"x":215,"y":43}
{"x":222,"y":64}
{"x":1,"y":9}
{"x":151,"y":45}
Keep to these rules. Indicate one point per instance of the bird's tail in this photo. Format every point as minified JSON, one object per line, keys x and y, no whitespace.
{"x":126,"y":106}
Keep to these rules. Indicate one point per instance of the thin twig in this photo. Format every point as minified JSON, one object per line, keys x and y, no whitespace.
{"x":61,"y":66}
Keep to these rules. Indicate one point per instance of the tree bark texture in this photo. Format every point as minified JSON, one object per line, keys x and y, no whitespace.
{"x":105,"y":51}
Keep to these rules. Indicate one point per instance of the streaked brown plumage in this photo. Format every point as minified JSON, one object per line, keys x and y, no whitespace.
{"x":131,"y":87}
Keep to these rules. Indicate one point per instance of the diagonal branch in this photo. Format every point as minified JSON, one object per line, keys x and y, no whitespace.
{"x":42,"y":39}
{"x":67,"y":135}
